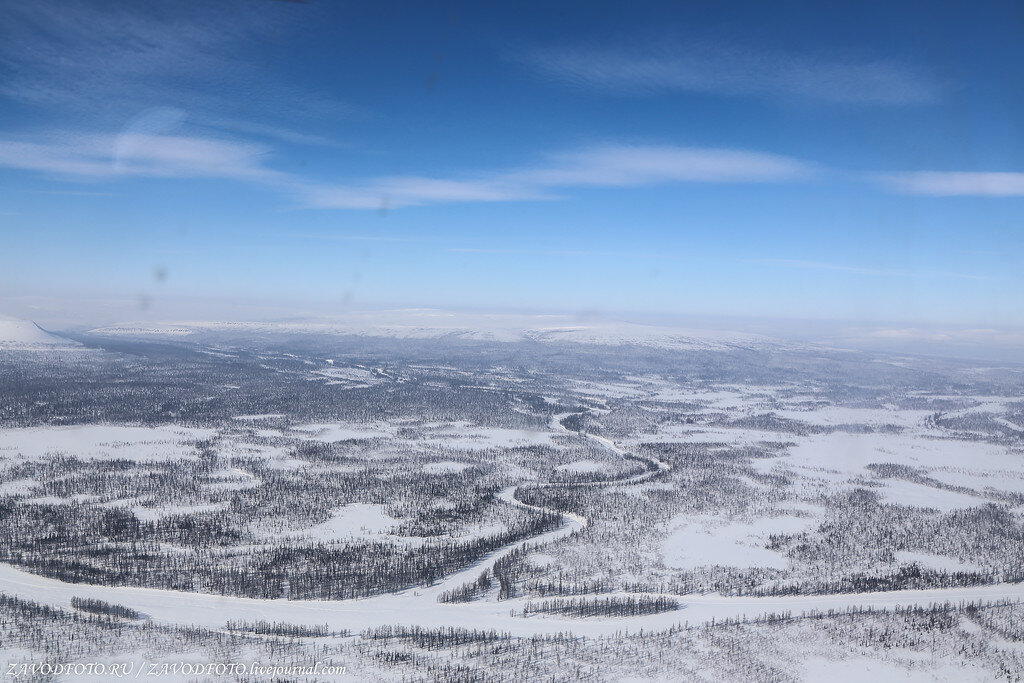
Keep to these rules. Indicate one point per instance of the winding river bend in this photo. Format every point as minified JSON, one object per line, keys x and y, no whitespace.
{"x":420,"y":606}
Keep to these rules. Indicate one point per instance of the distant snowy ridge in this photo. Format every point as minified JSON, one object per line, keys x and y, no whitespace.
{"x":436,"y":324}
{"x":26,"y":335}
{"x":613,"y":334}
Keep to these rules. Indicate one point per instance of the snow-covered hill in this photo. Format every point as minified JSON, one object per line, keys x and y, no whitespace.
{"x":26,"y":335}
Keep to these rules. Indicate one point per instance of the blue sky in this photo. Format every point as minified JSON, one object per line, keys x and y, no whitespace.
{"x":799,"y":160}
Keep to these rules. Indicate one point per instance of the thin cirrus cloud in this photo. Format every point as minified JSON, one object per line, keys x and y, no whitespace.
{"x":951,"y":184}
{"x":608,"y":166}
{"x":720,"y":69}
{"x":100,"y":63}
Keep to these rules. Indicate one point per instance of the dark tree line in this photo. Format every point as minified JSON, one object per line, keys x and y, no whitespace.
{"x":603,"y":607}
{"x":280,"y":628}
{"x":434,"y":638}
{"x":94,"y":606}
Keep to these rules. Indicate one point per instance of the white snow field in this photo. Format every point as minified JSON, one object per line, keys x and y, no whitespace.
{"x":94,"y":442}
{"x":581,"y":467}
{"x":918,"y":495}
{"x":335,"y":432}
{"x":936,"y":562}
{"x":466,"y":436}
{"x":352,"y":521}
{"x":700,"y":542}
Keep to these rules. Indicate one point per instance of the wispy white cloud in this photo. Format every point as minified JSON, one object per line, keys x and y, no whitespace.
{"x":156,"y":144}
{"x":860,"y":270}
{"x":136,"y":154}
{"x":402,"y":191}
{"x":722,"y":69}
{"x":609,"y":166}
{"x":641,"y":165}
{"x":948,"y":184}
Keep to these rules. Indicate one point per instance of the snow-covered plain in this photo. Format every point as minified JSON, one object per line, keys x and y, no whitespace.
{"x":91,"y":442}
{"x":749,"y":487}
{"x":581,"y":466}
{"x":356,"y":520}
{"x":698,"y":542}
{"x":445,"y":467}
{"x":334,"y":432}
